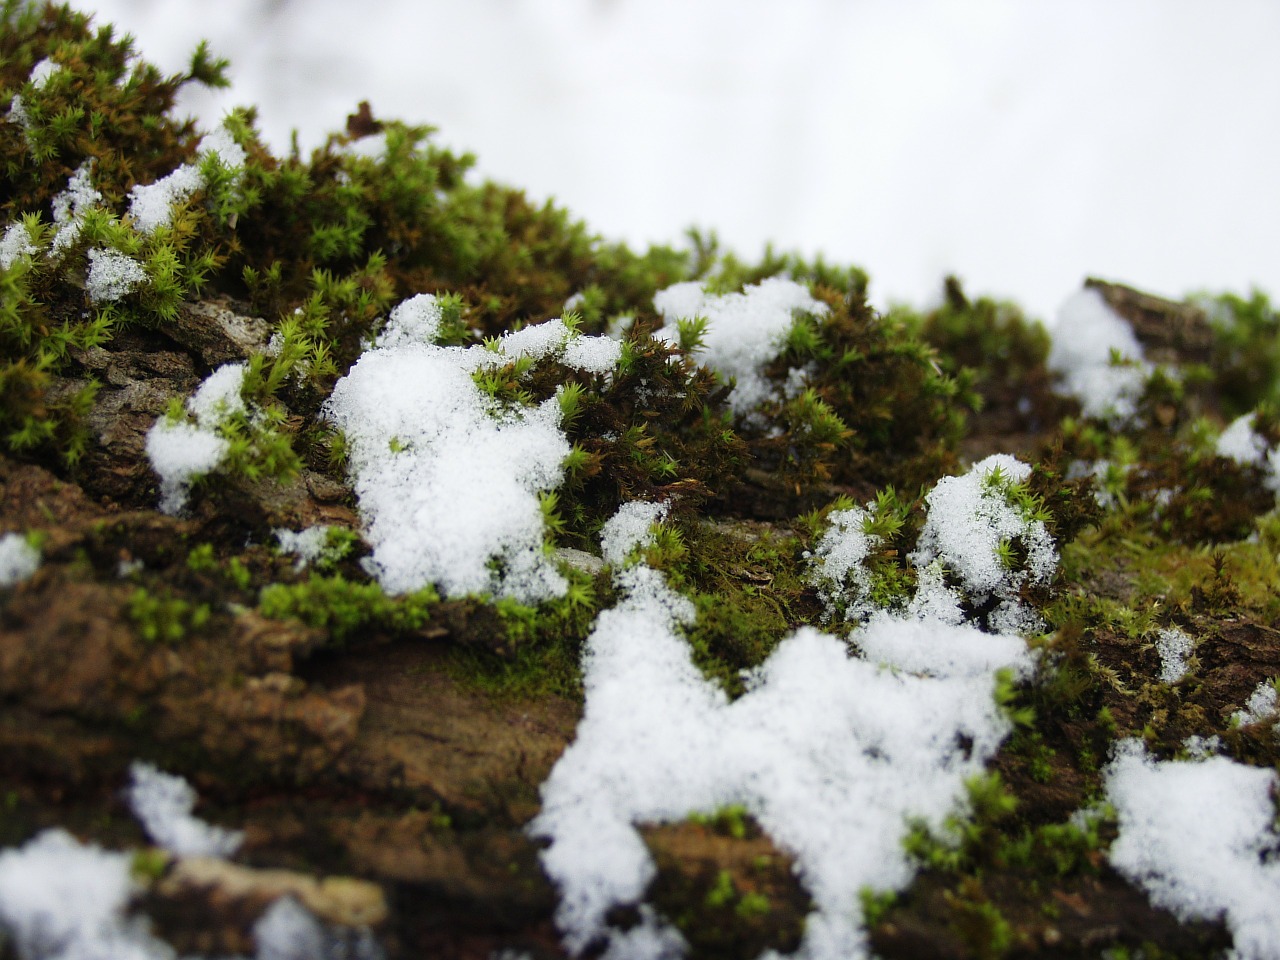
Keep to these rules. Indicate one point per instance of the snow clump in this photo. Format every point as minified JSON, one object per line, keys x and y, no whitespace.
{"x":163,"y":803}
{"x":15,"y":243}
{"x":18,"y":559}
{"x":832,"y":755}
{"x":1098,"y":356}
{"x":307,"y":545}
{"x":64,"y":900}
{"x":1261,"y":706}
{"x":112,"y":275}
{"x":151,"y":205}
{"x":181,"y":451}
{"x":745,"y":331}
{"x":1242,"y":443}
{"x":70,"y":207}
{"x":448,"y":479}
{"x":1201,"y":867}
{"x":1174,"y":648}
{"x":974,"y":518}
{"x":839,"y":562}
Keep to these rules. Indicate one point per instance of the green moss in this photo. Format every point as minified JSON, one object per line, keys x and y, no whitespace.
{"x":161,"y":619}
{"x":345,"y":609}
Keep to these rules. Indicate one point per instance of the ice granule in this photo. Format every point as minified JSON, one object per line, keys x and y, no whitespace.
{"x":1087,"y":333}
{"x":163,"y":804}
{"x":744,"y":331}
{"x":112,"y":275}
{"x":18,"y":559}
{"x":598,"y":355}
{"x":416,"y":320}
{"x":1195,"y":835}
{"x":1174,"y":648}
{"x":15,"y":243}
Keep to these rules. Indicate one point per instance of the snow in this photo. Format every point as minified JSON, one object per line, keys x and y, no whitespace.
{"x":744,"y":332}
{"x":70,"y":207}
{"x":1174,"y":647}
{"x":307,"y":545}
{"x":151,"y":205}
{"x":1086,"y":335}
{"x":288,"y":931}
{"x":1241,"y":443}
{"x":629,"y":528}
{"x":15,"y":243}
{"x":112,"y":275}
{"x":42,"y":71}
{"x":63,"y":900}
{"x":829,"y":753}
{"x":969,"y":518}
{"x":181,"y":451}
{"x":163,"y":804}
{"x":1261,"y":706}
{"x":18,"y":559}
{"x":1197,"y":837}
{"x":447,"y":480}
{"x":838,"y":561}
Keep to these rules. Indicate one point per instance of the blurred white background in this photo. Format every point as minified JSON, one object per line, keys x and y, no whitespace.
{"x":1021,"y":145}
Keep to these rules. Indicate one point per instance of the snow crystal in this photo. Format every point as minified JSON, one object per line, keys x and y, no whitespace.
{"x":744,"y":332}
{"x":151,"y":205}
{"x":1198,"y":747}
{"x":1261,"y":706}
{"x":1196,"y":836}
{"x":18,"y":559}
{"x":307,"y":545}
{"x":63,"y":900}
{"x":16,"y":243}
{"x":629,"y":528}
{"x":112,"y":275}
{"x":163,"y":803}
{"x":70,"y":207}
{"x":1085,"y":336}
{"x":180,"y":451}
{"x":1174,"y":648}
{"x":448,"y":480}
{"x":830,"y":754}
{"x":969,"y":518}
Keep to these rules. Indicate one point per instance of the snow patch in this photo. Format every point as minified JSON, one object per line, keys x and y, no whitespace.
{"x":112,"y":275}
{"x":744,"y":331}
{"x":163,"y":804}
{"x":839,"y":560}
{"x":15,"y":243}
{"x":829,"y":753}
{"x":151,"y":205}
{"x":70,"y":207}
{"x":1260,"y":707}
{"x":307,"y":545}
{"x":181,"y":451}
{"x":1197,"y":837}
{"x":447,"y":478}
{"x":1174,"y":648}
{"x":1085,"y":337}
{"x":18,"y":559}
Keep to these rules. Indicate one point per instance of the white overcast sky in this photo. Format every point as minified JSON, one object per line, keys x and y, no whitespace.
{"x":1023,"y":145}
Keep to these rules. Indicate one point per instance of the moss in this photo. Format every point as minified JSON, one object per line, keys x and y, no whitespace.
{"x":344,"y":609}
